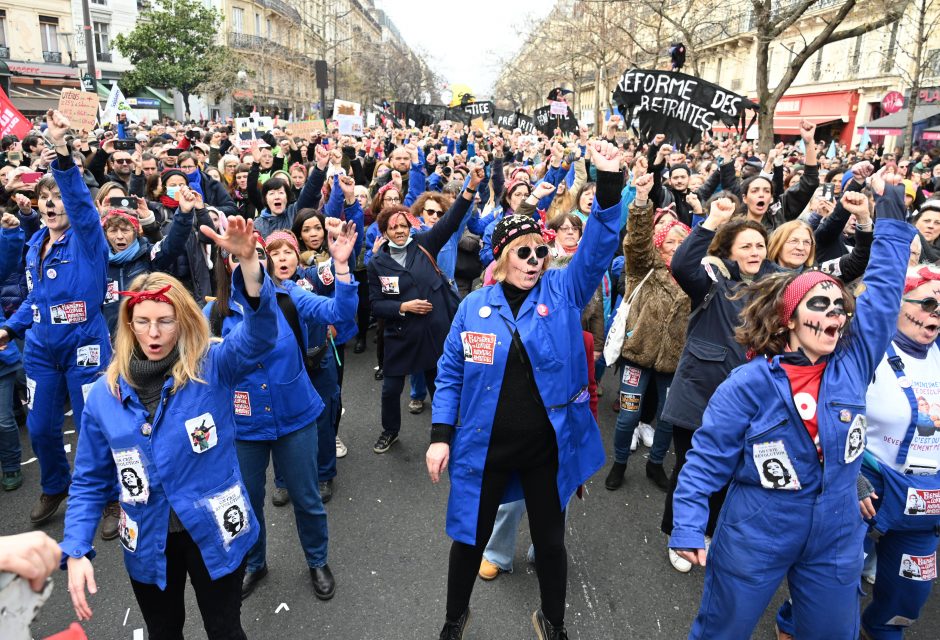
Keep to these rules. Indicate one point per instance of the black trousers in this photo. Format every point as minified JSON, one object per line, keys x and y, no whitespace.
{"x":392,"y":387}
{"x":364,"y":308}
{"x":682,"y":441}
{"x":220,"y":601}
{"x":546,"y":524}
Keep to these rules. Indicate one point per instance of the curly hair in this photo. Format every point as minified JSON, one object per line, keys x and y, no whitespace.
{"x":723,"y":241}
{"x":761,"y":330}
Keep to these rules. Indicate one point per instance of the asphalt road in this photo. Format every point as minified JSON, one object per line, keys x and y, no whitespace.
{"x":388,"y":551}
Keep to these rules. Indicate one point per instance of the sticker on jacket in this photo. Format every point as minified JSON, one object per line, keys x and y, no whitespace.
{"x":630,"y":401}
{"x":88,"y":356}
{"x":36,"y":317}
{"x":68,"y":313}
{"x":202,"y":433}
{"x":774,"y":466}
{"x":30,"y":392}
{"x":922,"y":502}
{"x":154,"y":250}
{"x":242,"y":403}
{"x":325,"y":273}
{"x":29,"y":280}
{"x":389,"y":284}
{"x":855,"y":439}
{"x":112,"y":294}
{"x":230,"y":512}
{"x":920,"y":568}
{"x":132,"y":476}
{"x":86,"y":389}
{"x":478,"y":347}
{"x":128,"y":532}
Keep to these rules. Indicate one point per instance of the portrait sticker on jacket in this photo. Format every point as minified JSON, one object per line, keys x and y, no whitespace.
{"x":774,"y":467}
{"x":128,"y":532}
{"x":68,"y":313}
{"x":922,"y":502}
{"x":478,"y":347}
{"x":325,"y":273}
{"x":36,"y":317}
{"x":855,"y":439}
{"x":389,"y":284}
{"x":132,"y":475}
{"x":920,"y":568}
{"x":29,"y":280}
{"x":202,"y":433}
{"x":88,"y":356}
{"x":631,"y":376}
{"x":242,"y":403}
{"x":230,"y":512}
{"x":112,"y":295}
{"x":30,"y":392}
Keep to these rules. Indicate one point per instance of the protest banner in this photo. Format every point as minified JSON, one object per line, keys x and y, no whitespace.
{"x":11,"y":120}
{"x":678,"y":105}
{"x":547,"y":123}
{"x":80,"y":107}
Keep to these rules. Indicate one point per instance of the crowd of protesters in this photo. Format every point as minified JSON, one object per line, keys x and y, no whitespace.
{"x":770,"y":314}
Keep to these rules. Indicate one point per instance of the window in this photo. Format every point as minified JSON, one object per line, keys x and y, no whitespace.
{"x":718,"y":71}
{"x":268,"y":29}
{"x":888,"y":62}
{"x":238,"y":20}
{"x":856,"y":55}
{"x":932,"y":63}
{"x":817,"y":66}
{"x":48,"y":32}
{"x":257,"y":24}
{"x":3,"y":28}
{"x":102,"y":38}
{"x":102,"y":3}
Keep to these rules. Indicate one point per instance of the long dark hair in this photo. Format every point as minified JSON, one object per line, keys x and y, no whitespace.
{"x":302,"y":216}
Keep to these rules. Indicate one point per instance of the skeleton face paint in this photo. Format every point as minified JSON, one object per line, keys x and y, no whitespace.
{"x":819,"y":321}
{"x":914,"y":321}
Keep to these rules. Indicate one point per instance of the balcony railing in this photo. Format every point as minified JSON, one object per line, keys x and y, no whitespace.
{"x":103,"y":56}
{"x":282,"y":8}
{"x":4,"y":53}
{"x":52,"y":56}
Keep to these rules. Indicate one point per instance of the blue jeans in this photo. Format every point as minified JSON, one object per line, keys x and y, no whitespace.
{"x":296,"y":458}
{"x":419,"y":388}
{"x":502,"y":545}
{"x":633,"y":384}
{"x":10,"y":451}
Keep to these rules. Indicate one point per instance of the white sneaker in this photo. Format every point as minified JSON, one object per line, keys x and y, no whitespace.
{"x":636,"y":439}
{"x":646,"y":434}
{"x":340,"y":448}
{"x":679,"y":563}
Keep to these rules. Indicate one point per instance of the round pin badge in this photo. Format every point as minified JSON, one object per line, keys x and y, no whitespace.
{"x":542,"y":310}
{"x":51,"y":274}
{"x":485,"y":312}
{"x":146,"y":429}
{"x":905,"y":382}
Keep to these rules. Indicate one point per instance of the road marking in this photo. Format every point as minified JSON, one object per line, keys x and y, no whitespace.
{"x":283,"y":606}
{"x":138,"y":634}
{"x":125,"y":617}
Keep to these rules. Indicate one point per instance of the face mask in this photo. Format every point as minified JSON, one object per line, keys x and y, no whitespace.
{"x":401,"y":246}
{"x":171,"y":192}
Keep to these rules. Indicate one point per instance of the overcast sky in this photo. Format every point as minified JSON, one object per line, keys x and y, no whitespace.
{"x":464,"y":41}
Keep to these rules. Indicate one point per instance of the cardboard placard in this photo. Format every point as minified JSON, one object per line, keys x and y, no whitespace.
{"x":558,"y":108}
{"x":80,"y":107}
{"x":308,"y":129}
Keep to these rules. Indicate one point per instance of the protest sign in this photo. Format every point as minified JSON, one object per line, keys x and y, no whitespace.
{"x":11,"y":120}
{"x":504,"y":119}
{"x":524,"y":123}
{"x":558,"y":108}
{"x":346,"y":108}
{"x":349,"y":125}
{"x":547,"y":123}
{"x":306,"y":129}
{"x":478,"y":110}
{"x":678,"y":105}
{"x":254,"y":127}
{"x":80,"y":107}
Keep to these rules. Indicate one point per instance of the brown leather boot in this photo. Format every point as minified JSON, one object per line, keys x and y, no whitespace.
{"x":46,"y":507}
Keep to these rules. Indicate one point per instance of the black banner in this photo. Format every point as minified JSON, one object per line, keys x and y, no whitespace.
{"x":476,"y":110}
{"x":680,"y":106}
{"x":504,"y":118}
{"x":546,"y":123}
{"x":525,"y":123}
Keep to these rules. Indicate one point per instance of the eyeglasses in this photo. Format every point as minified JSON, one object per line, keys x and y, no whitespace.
{"x":188,"y":167}
{"x":567,"y":227}
{"x":391,"y":199}
{"x":927,"y":304}
{"x":796,"y":242}
{"x":163,"y":325}
{"x":541,"y":252}
{"x":261,"y":255}
{"x":435,"y":212}
{"x":121,"y":160}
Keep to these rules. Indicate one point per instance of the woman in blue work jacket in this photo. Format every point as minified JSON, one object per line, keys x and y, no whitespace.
{"x":276,"y":407}
{"x":67,"y":342}
{"x":512,"y":413}
{"x":784,"y":430}
{"x":160,"y":426}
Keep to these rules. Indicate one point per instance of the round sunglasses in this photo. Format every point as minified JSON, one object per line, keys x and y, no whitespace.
{"x":541,"y":251}
{"x":927,"y":304}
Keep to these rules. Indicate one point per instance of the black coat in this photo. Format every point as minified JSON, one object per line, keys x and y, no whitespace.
{"x":414,"y":342}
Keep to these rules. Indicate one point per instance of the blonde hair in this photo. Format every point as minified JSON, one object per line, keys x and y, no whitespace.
{"x":502,"y":263}
{"x":780,"y":236}
{"x":192,"y":331}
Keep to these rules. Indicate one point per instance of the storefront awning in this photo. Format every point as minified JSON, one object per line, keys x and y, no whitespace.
{"x":933,"y":133}
{"x":893,"y":124}
{"x":30,"y":98}
{"x":822,"y":109}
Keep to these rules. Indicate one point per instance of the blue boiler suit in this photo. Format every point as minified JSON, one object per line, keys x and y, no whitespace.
{"x":812,"y":534}
{"x":67,"y":342}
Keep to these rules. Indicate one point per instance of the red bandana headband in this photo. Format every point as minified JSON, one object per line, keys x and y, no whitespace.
{"x":660,"y":236}
{"x":118,"y":213}
{"x":924,"y":275}
{"x":797,"y":289}
{"x":158,"y":295}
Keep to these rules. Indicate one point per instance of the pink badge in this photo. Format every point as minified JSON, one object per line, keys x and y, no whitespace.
{"x":542,"y":310}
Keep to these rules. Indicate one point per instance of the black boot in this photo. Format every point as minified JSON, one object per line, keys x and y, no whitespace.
{"x":454,"y":630}
{"x":615,"y":477}
{"x":657,"y":474}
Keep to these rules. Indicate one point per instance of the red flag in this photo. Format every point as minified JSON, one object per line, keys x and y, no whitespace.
{"x":11,"y":120}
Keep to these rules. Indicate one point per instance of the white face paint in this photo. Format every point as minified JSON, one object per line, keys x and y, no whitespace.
{"x":819,"y":320}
